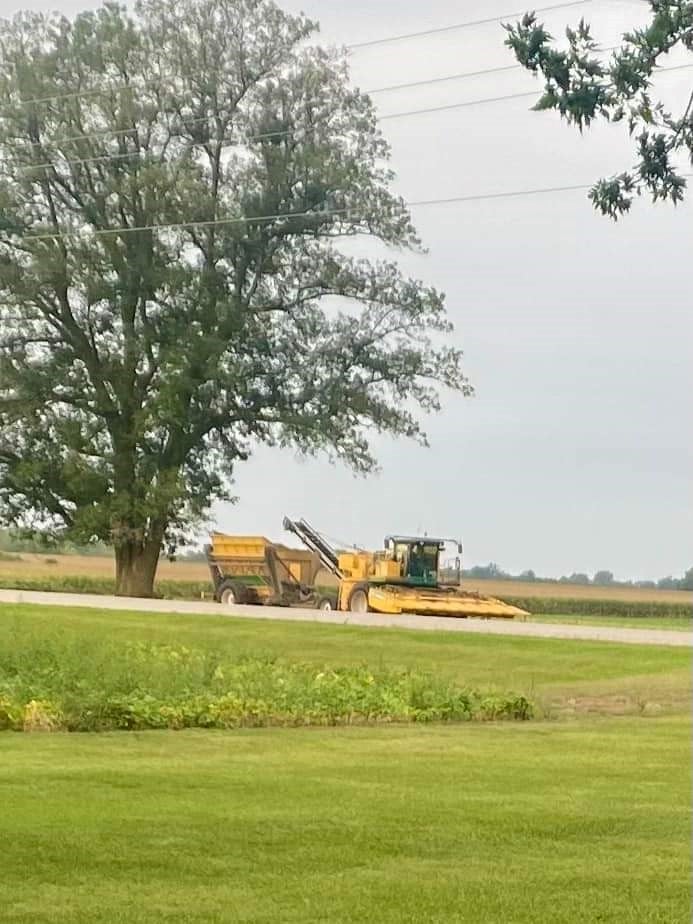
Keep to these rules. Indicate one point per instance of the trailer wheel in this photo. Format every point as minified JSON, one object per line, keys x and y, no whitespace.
{"x":358,"y":601}
{"x":231,"y":594}
{"x":326,"y":604}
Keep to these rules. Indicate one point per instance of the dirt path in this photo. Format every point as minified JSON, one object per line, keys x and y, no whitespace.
{"x":428,"y":623}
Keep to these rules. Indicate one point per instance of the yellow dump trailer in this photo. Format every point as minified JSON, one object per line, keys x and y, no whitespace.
{"x":251,"y":569}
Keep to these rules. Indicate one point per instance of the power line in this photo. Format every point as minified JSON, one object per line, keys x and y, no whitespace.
{"x":451,"y":77}
{"x":104,"y":91}
{"x":283,"y":132}
{"x":461,"y":25}
{"x":278,"y":134}
{"x":449,"y":106}
{"x":464,"y":75}
{"x":345,"y":212}
{"x":490,"y":70}
{"x":488,"y":99}
{"x":401,"y":86}
{"x":386,"y":89}
{"x":185,"y":123}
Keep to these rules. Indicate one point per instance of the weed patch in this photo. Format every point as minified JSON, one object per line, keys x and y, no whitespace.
{"x":57,"y":683}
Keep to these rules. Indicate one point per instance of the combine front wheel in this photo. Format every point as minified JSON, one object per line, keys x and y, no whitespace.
{"x":358,"y":601}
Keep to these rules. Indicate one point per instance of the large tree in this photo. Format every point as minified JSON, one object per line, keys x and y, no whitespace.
{"x":582,"y":86}
{"x":175,"y":185}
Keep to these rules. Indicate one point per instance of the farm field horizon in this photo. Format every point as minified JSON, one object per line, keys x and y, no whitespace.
{"x":44,"y":566}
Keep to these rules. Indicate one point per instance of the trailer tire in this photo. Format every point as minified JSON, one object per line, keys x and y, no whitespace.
{"x":326,"y":604}
{"x":358,"y":599}
{"x":232,"y":594}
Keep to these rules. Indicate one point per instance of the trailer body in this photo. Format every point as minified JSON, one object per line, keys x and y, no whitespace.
{"x":253,"y":570}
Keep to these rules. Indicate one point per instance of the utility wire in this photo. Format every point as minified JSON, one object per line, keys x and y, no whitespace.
{"x":461,"y":25}
{"x":345,"y":212}
{"x":115,"y":133}
{"x":282,"y":133}
{"x":465,"y":75}
{"x":447,"y":79}
{"x":490,"y":70}
{"x":401,"y":86}
{"x":430,"y":81}
{"x":449,"y":106}
{"x":104,"y":91}
{"x":489,"y":99}
{"x":201,"y":120}
{"x":372,"y":92}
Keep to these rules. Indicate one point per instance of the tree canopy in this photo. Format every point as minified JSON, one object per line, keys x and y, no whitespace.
{"x":583,"y":87}
{"x":179,"y":186}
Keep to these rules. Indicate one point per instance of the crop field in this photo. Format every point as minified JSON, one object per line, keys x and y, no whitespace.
{"x":46,"y":566}
{"x":14,"y":566}
{"x":421,"y":807}
{"x":190,"y":579}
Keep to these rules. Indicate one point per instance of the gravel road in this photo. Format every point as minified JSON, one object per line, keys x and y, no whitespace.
{"x":429,"y":623}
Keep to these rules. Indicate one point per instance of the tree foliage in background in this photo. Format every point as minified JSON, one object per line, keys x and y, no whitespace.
{"x":492,"y":572}
{"x":603,"y":578}
{"x":583,"y":88}
{"x":175,"y":188}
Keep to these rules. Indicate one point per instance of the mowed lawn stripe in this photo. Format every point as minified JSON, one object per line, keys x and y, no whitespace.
{"x":557,"y":822}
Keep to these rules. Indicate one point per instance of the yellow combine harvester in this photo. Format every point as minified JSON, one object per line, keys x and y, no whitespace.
{"x":406,"y":577}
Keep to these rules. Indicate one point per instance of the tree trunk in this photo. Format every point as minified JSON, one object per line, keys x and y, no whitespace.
{"x":136,"y":565}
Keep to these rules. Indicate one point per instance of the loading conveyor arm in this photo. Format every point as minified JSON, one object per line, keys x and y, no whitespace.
{"x":312,"y":539}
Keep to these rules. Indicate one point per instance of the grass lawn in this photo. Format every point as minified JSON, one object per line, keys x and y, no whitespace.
{"x":565,"y":823}
{"x":577,"y":818}
{"x":556,"y":674}
{"x":675,"y":623}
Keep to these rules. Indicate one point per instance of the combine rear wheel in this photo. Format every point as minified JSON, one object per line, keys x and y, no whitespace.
{"x":232,"y":594}
{"x":358,"y":601}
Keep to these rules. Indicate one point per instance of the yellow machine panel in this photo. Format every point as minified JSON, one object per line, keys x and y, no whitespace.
{"x":398,"y":600}
{"x":387,"y":570}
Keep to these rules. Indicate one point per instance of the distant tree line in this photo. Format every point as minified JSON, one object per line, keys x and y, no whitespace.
{"x":600,"y":578}
{"x":37,"y":542}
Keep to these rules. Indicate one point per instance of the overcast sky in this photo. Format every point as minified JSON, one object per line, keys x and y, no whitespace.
{"x":576,"y":453}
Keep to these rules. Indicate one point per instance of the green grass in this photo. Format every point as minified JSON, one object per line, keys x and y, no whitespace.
{"x":564,"y":823}
{"x":556,"y":674}
{"x":54,"y":680}
{"x":577,"y":818}
{"x":680,"y":623}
